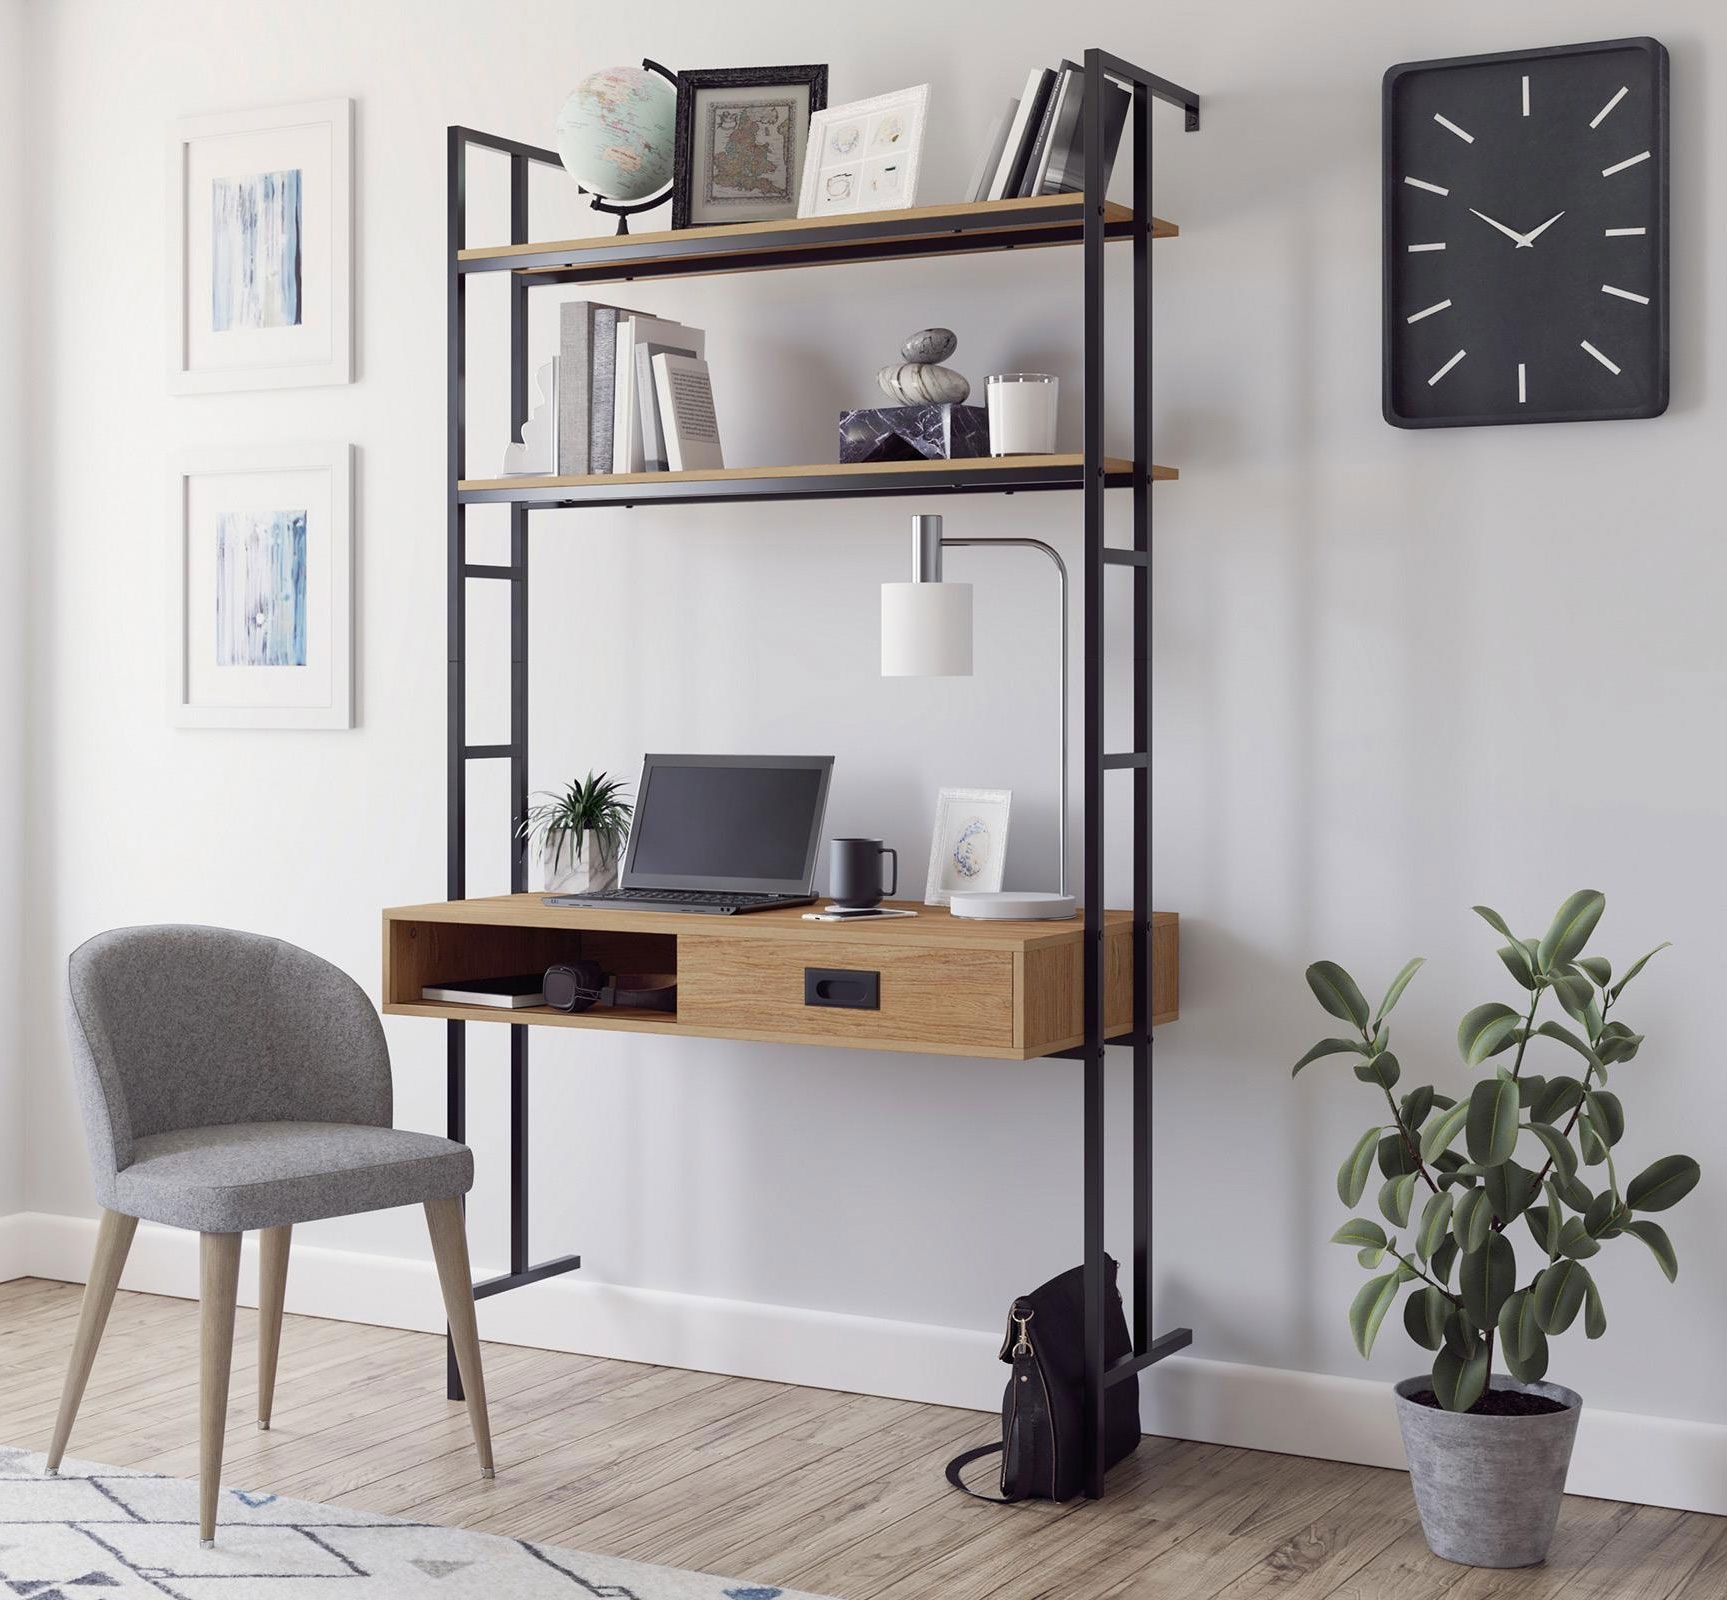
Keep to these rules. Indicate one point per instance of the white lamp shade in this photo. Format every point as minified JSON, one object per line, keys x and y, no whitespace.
{"x":926,"y":630}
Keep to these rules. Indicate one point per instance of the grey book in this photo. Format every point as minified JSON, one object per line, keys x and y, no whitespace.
{"x":990,"y":158}
{"x":586,"y":330}
{"x":507,"y":994}
{"x":1035,"y":163}
{"x":1067,"y":168}
{"x":1063,"y":119}
{"x":647,"y":396}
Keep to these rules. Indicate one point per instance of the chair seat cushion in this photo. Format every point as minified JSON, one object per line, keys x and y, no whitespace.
{"x":244,"y":1175}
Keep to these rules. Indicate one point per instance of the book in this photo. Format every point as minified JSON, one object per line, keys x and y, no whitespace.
{"x":508,"y":994}
{"x":687,"y":413}
{"x":1063,"y":118}
{"x":634,"y":329}
{"x":1010,"y":171}
{"x":1067,"y":174}
{"x":1039,"y":156}
{"x":990,"y":158}
{"x":648,"y":398}
{"x":585,"y":329}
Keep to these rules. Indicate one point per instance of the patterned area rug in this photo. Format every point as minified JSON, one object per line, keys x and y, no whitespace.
{"x":102,"y":1533}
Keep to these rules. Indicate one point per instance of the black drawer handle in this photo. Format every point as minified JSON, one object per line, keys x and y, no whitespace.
{"x":836,"y":986}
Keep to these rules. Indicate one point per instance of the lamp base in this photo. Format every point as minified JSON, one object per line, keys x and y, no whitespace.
{"x":1014,"y":905}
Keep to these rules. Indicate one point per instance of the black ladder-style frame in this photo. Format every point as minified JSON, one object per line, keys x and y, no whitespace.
{"x":627,"y":260}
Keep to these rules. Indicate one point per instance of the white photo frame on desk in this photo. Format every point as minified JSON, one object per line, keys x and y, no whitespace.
{"x":968,"y":850}
{"x":865,"y":156}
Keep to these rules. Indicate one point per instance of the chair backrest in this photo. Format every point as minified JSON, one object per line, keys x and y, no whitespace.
{"x":186,"y":1027}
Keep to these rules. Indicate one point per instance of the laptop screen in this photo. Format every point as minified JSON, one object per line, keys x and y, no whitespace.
{"x":747,"y":823}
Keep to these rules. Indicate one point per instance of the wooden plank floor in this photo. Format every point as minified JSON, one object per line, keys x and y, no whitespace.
{"x":840,"y":1494}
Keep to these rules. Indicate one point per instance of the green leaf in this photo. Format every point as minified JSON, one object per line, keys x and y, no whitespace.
{"x":1518,"y":964}
{"x":1435,"y":1224}
{"x":1555,"y":1221}
{"x":1493,"y":919}
{"x":1598,"y":969}
{"x":1486,"y":1278}
{"x":1636,"y":967}
{"x":1443,"y":1129}
{"x":1559,"y":1150}
{"x":1370,"y":1258}
{"x":1577,"y":995}
{"x":1458,"y":1381}
{"x":1558,"y":1030}
{"x":1539,"y":1219}
{"x":1660,"y":1246}
{"x":1569,"y":932}
{"x":1662,"y":1183}
{"x":1424,"y":1314}
{"x":1602,"y":1110}
{"x":1521,"y":1340}
{"x":1395,"y":1197}
{"x":1461,"y":1336}
{"x":1394,"y":1156}
{"x":1352,"y":1175}
{"x":1368,"y":1309}
{"x":1576,"y":1241}
{"x":1576,"y":1194}
{"x":1492,"y":1122}
{"x":1327,"y":1047}
{"x":1485,"y":1031}
{"x":1471,"y":1220}
{"x":1334,"y":989}
{"x":1529,"y":1365}
{"x":1443,"y":1259}
{"x":1359,"y":1231}
{"x":1557,"y":1097}
{"x":1382,"y":1069}
{"x":1616,"y":1042}
{"x":1509,"y":1188}
{"x":1398,"y":985}
{"x":1594,"y":1313}
{"x":1606,"y":1216}
{"x":1415,"y":1107}
{"x":1559,"y":1293}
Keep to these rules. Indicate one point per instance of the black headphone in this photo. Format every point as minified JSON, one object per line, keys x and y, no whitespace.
{"x":582,"y":985}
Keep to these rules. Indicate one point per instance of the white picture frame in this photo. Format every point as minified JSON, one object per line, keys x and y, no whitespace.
{"x":865,"y":156}
{"x":260,"y":248}
{"x":968,"y":848}
{"x":260,"y":587}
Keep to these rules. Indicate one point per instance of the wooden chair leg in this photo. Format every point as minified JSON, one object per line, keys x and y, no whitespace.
{"x":113,"y":1240}
{"x":456,"y":1278}
{"x":219,"y":1261}
{"x":272,"y":1288}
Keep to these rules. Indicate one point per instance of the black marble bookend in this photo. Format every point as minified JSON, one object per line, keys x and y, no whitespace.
{"x":905,"y":433}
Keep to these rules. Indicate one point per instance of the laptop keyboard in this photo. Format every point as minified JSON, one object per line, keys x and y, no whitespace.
{"x":682,"y":897}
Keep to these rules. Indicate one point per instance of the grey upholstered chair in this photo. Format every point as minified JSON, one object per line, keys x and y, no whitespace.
{"x":229,"y":1082}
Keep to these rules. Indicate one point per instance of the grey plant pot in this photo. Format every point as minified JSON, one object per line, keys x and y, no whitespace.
{"x":1488,"y":1488}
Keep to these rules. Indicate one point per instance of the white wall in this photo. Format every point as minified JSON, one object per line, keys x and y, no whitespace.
{"x":1397,"y":672}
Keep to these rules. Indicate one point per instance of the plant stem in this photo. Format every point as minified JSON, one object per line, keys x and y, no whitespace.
{"x":1528,"y":1023}
{"x":1409,"y":1143}
{"x":1456,"y":1300}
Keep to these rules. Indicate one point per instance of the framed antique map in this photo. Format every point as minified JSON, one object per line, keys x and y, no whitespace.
{"x":742,"y":136}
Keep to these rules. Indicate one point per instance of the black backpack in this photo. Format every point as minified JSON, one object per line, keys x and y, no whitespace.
{"x":1042,"y":1422}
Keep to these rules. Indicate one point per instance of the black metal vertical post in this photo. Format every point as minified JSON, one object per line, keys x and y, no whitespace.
{"x":1093,"y":1181}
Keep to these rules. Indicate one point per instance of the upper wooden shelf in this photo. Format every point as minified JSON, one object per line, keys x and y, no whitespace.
{"x":817,"y":481}
{"x":957,"y":229}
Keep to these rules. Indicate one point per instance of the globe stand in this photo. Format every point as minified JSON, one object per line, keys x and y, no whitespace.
{"x":624,"y":212}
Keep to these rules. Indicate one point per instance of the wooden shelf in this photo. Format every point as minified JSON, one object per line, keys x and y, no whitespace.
{"x":818,"y":481}
{"x":957,"y":229}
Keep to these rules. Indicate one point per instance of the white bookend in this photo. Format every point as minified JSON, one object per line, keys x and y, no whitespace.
{"x":627,"y":454}
{"x":990,"y":158}
{"x":687,"y":413}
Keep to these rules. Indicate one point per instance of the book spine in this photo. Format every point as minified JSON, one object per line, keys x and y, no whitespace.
{"x":1040,"y":142}
{"x":1028,"y":134}
{"x":603,"y":355}
{"x":575,"y":386}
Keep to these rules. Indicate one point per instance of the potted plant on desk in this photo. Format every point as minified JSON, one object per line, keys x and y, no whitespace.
{"x":1488,"y":1451}
{"x":580,"y":832}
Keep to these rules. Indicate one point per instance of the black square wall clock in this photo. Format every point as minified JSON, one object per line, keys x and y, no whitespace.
{"x":1526,"y":236}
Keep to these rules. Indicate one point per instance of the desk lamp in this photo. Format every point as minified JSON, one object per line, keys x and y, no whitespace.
{"x":926,"y":633}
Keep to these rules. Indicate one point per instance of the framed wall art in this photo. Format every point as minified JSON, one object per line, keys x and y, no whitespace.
{"x":260,"y":581}
{"x":969,"y":847}
{"x":865,"y":156}
{"x":260,"y":261}
{"x":742,"y":136}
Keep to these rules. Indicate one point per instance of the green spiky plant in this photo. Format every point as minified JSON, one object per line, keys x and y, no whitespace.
{"x":564,"y":818}
{"x":1466,"y":1301}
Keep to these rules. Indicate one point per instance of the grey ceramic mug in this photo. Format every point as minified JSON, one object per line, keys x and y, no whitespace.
{"x":854,"y":873}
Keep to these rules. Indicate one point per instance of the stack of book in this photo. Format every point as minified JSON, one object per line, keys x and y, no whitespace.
{"x":633,"y":393}
{"x":1037,"y":144}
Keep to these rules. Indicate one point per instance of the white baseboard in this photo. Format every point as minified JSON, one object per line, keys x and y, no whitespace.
{"x":1619,"y":1456}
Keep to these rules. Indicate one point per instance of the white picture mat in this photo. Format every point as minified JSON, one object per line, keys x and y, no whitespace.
{"x":851,"y":142}
{"x":315,"y":478}
{"x":747,"y":208}
{"x":954,"y":811}
{"x":316,"y":139}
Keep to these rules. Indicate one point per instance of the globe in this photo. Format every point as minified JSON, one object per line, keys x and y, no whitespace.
{"x":615,"y":133}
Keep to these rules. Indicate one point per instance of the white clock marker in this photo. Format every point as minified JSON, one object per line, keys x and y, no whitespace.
{"x":1453,"y":362}
{"x":1415,"y":249}
{"x":1417,"y":316}
{"x":1451,"y":127}
{"x":1598,"y":356}
{"x":1526,"y":95}
{"x":1622,"y":233}
{"x":1620,"y":166}
{"x":1431,"y":188}
{"x":1522,"y":390}
{"x":1601,"y":115}
{"x":1625,"y":294}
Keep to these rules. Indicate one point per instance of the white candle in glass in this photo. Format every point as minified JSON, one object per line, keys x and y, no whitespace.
{"x":1021,"y":413}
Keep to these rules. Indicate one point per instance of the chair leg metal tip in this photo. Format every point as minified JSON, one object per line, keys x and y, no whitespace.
{"x":263,"y":1424}
{"x":488,"y":1472}
{"x":206,"y":1544}
{"x":50,"y":1472}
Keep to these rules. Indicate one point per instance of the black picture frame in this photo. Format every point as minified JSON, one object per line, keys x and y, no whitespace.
{"x":812,"y":77}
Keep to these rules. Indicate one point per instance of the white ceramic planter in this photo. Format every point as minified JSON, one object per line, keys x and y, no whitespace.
{"x":567,"y":869}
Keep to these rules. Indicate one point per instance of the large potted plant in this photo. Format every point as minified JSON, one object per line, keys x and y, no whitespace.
{"x":580,"y":831}
{"x":1488,"y":1440}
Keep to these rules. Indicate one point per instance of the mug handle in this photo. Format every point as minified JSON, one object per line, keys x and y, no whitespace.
{"x":892,"y":888}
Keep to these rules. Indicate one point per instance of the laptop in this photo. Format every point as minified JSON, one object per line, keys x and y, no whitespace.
{"x":721,"y":835}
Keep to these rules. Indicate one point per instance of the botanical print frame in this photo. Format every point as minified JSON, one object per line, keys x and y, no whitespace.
{"x":865,"y":156}
{"x":260,"y":587}
{"x":260,"y":257}
{"x":968,"y":849}
{"x":742,"y":136}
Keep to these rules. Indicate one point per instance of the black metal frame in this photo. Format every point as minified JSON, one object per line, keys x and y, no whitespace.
{"x":635,"y":258}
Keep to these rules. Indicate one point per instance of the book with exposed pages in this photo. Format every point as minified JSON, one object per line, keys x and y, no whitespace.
{"x":508,"y":994}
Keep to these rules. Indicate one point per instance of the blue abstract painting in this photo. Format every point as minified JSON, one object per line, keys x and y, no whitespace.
{"x":261,"y":589}
{"x":255,"y":251}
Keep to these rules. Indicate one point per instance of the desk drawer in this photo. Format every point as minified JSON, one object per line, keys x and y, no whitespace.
{"x":933,"y":998}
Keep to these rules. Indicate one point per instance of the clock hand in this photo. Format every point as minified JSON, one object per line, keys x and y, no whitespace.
{"x":1530,"y":238}
{"x":1510,"y":233}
